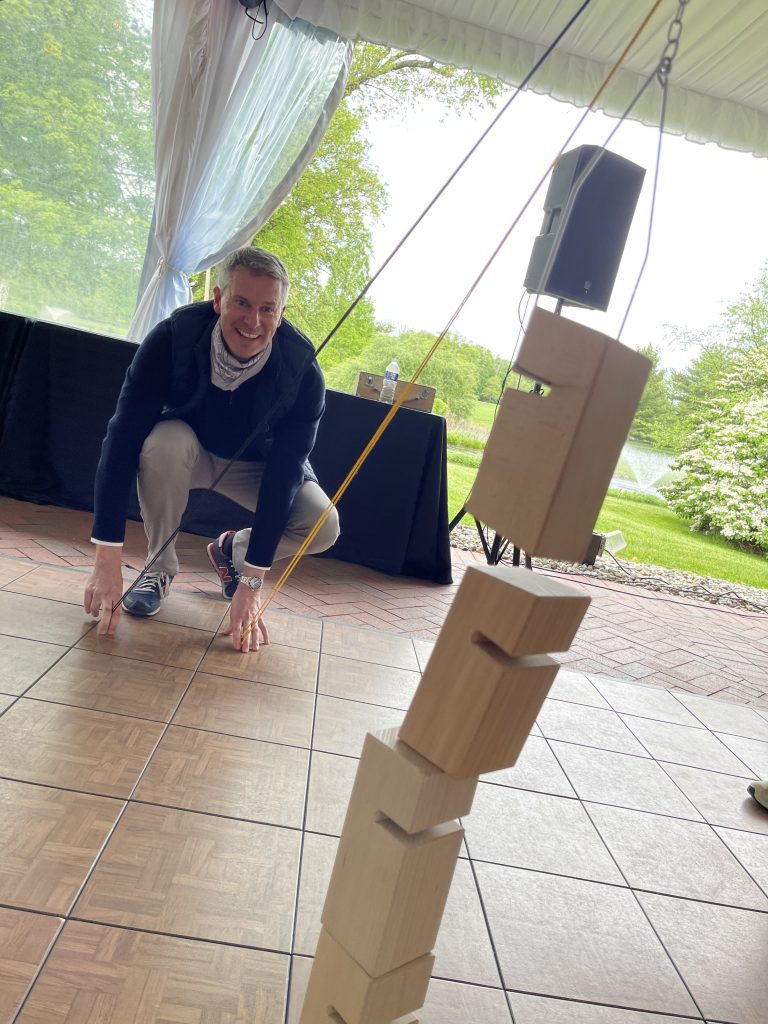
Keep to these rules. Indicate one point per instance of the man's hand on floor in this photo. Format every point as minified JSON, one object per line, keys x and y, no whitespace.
{"x":245,"y":622}
{"x":105,"y":588}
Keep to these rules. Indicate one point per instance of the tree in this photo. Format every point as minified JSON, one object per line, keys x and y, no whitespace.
{"x":324,"y":227}
{"x":451,"y":371}
{"x":655,"y":414}
{"x":723,"y":467}
{"x":76,"y":177}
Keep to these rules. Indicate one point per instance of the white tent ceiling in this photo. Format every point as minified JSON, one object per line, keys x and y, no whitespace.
{"x":719,"y":84}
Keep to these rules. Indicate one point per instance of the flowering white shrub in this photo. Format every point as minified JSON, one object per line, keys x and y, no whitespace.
{"x":723,"y":483}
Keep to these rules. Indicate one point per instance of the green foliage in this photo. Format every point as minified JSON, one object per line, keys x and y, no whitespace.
{"x":656,"y":536}
{"x":76,"y":177}
{"x":323,"y":229}
{"x":654,"y":420}
{"x":723,"y":465}
{"x":322,"y":232}
{"x":724,"y":482}
{"x":412,"y":78}
{"x":464,"y":458}
{"x":460,"y":441}
{"x":451,"y":370}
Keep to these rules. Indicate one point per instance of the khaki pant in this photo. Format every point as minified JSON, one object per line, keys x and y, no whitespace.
{"x":173,"y":463}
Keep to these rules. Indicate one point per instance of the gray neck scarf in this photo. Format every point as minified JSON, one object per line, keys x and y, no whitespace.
{"x":228,"y":373}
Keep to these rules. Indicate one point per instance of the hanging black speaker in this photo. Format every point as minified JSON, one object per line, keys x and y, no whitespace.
{"x":589,"y":207}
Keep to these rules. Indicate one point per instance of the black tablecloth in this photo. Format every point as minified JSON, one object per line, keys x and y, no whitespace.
{"x":58,"y":388}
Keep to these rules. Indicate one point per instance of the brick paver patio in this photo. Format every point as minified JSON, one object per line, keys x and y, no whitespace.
{"x":628,"y":634}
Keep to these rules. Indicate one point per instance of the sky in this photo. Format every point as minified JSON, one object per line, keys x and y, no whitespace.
{"x":709,"y":242}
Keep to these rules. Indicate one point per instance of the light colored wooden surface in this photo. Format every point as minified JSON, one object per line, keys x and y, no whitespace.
{"x":116,"y":976}
{"x":54,"y":757}
{"x":24,"y":941}
{"x":197,"y":876}
{"x":549,"y":458}
{"x":478,"y":699}
{"x":389,"y":884}
{"x":339,"y":983}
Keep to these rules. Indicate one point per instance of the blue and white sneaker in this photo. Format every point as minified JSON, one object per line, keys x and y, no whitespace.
{"x":220,"y":554}
{"x":148,"y":594}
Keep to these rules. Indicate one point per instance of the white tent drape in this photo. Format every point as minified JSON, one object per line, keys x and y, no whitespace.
{"x":236,"y":122}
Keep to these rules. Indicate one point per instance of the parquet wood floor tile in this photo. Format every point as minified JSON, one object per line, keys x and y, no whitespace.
{"x":331,"y":777}
{"x":346,"y":641}
{"x":55,"y":583}
{"x":24,"y":941}
{"x":24,"y":661}
{"x":253,"y":710}
{"x":89,"y":751}
{"x":116,"y":976}
{"x":161,"y":643}
{"x":341,"y":725}
{"x":197,"y":610}
{"x":294,"y":630}
{"x":49,"y":839}
{"x":196,"y":876}
{"x":12,"y":568}
{"x":280,"y":666}
{"x":364,"y":681}
{"x":205,"y":771}
{"x":123,"y":686}
{"x":35,"y":618}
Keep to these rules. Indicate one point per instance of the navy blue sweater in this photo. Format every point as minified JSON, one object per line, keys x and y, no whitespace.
{"x":170,"y":378}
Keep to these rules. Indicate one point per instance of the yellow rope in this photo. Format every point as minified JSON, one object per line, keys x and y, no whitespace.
{"x":410,"y":384}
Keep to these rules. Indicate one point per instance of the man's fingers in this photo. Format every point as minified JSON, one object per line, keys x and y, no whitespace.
{"x":264,"y":631}
{"x":108,"y":618}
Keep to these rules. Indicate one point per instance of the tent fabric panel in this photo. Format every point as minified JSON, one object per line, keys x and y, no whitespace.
{"x":718,"y":90}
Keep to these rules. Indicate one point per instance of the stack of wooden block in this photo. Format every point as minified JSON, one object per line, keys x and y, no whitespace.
{"x":542,"y":481}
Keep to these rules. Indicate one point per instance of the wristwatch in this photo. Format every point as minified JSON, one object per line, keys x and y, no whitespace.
{"x":252,"y":582}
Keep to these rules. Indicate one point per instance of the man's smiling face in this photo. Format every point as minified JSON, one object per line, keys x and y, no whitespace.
{"x":250,"y":309}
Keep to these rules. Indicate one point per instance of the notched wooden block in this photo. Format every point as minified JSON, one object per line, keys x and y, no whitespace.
{"x":340,"y":988}
{"x":402,"y":785}
{"x":549,"y":459}
{"x":477,"y":718}
{"x":521,"y":612}
{"x":389,"y":886}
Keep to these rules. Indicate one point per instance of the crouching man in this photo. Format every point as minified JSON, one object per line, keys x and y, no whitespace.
{"x":203,"y":382}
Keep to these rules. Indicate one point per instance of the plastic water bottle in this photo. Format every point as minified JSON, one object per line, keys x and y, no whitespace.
{"x":389,"y":383}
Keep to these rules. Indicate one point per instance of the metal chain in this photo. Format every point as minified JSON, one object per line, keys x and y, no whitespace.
{"x":674,"y":32}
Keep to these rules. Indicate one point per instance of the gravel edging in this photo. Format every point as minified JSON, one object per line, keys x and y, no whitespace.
{"x":674,"y":582}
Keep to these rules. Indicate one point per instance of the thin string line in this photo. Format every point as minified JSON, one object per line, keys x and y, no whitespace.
{"x":410,"y":384}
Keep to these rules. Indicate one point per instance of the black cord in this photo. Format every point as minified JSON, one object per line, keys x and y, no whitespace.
{"x":257,"y":21}
{"x":525,"y":82}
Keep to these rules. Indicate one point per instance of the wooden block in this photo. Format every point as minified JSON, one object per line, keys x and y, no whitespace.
{"x":549,"y":459}
{"x":339,"y":986}
{"x":476,"y":702}
{"x":388,"y":888}
{"x":399,"y":783}
{"x":419,"y":397}
{"x":478,"y":718}
{"x":521,"y":612}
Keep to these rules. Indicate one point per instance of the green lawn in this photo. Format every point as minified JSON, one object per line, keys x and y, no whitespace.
{"x":654,"y":535}
{"x":482,"y":414}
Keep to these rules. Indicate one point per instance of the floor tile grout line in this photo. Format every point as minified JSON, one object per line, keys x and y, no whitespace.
{"x":489,"y":930}
{"x":609,"y":1006}
{"x":634,"y":894}
{"x":303,"y":832}
{"x":38,"y":971}
{"x":121,"y":813}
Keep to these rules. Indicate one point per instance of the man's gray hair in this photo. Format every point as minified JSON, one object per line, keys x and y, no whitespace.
{"x":258,"y":261}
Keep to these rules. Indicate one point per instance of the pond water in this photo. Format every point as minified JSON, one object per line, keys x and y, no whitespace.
{"x":642,"y":469}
